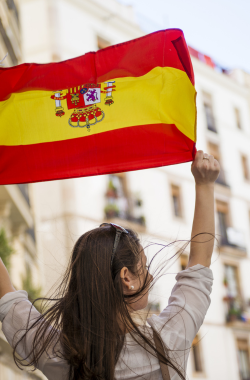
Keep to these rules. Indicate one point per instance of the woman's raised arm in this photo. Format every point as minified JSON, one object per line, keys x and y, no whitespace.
{"x":205,"y":170}
{"x":5,"y":282}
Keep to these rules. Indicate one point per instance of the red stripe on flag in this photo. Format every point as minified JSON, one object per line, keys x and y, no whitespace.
{"x":134,"y":58}
{"x":108,"y":152}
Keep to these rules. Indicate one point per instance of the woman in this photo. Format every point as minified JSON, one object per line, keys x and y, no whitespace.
{"x":88,"y":331}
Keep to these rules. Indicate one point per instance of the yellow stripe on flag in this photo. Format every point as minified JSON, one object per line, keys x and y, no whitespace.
{"x":164,"y":95}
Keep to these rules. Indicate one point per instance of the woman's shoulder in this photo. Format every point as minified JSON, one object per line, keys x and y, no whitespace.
{"x":187,"y":306}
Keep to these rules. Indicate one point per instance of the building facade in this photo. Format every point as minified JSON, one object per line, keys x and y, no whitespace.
{"x":158,"y":203}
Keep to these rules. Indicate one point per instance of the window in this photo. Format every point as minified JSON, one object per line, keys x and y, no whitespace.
{"x":229,"y":236}
{"x":208,"y":108}
{"x":117,"y":200}
{"x":245,"y":168}
{"x":175,"y":191}
{"x":243,"y":359}
{"x":197,"y":357}
{"x":231,"y":277}
{"x":237,"y":118}
{"x":233,"y":297}
{"x":120,"y":203}
{"x":102,"y":43}
{"x":214,"y":150}
{"x":223,"y":216}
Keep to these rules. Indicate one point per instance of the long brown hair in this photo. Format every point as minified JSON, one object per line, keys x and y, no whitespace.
{"x":82,"y":324}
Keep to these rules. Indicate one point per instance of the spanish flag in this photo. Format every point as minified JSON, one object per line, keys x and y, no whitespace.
{"x":127,"y":107}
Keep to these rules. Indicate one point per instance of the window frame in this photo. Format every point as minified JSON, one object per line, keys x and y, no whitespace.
{"x":238,"y":118}
{"x":246,"y":345}
{"x":245,"y":166}
{"x":207,"y":103}
{"x":175,"y":191}
{"x":235,"y":263}
{"x":237,"y":276}
{"x":224,"y":206}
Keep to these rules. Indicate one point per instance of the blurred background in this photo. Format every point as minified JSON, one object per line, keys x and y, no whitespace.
{"x":40,"y":222}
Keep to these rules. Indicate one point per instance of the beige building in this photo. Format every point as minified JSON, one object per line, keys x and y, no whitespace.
{"x":158,"y":203}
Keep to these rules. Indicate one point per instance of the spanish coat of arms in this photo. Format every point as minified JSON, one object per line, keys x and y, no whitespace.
{"x":83,"y":100}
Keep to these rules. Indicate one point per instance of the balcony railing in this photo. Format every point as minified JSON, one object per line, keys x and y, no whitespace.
{"x":236,"y":310}
{"x":128,"y":208}
{"x":112,"y":211}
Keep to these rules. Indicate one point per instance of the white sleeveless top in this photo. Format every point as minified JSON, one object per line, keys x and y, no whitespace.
{"x":177,"y":324}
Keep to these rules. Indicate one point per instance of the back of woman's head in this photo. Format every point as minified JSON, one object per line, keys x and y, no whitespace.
{"x":94,"y":305}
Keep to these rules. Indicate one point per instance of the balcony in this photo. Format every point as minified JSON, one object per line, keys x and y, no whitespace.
{"x":232,"y":242}
{"x":235,"y":310}
{"x":121,"y":207}
{"x":233,"y":238}
{"x":237,"y":313}
{"x":115,"y":215}
{"x":112,"y":211}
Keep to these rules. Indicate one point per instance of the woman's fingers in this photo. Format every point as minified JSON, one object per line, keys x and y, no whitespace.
{"x":199,"y":156}
{"x":205,"y":168}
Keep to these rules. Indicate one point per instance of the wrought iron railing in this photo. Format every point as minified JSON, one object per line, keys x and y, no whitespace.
{"x":233,"y":238}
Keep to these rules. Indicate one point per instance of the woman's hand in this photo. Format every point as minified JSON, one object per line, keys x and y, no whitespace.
{"x":205,"y":168}
{"x":5,"y":281}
